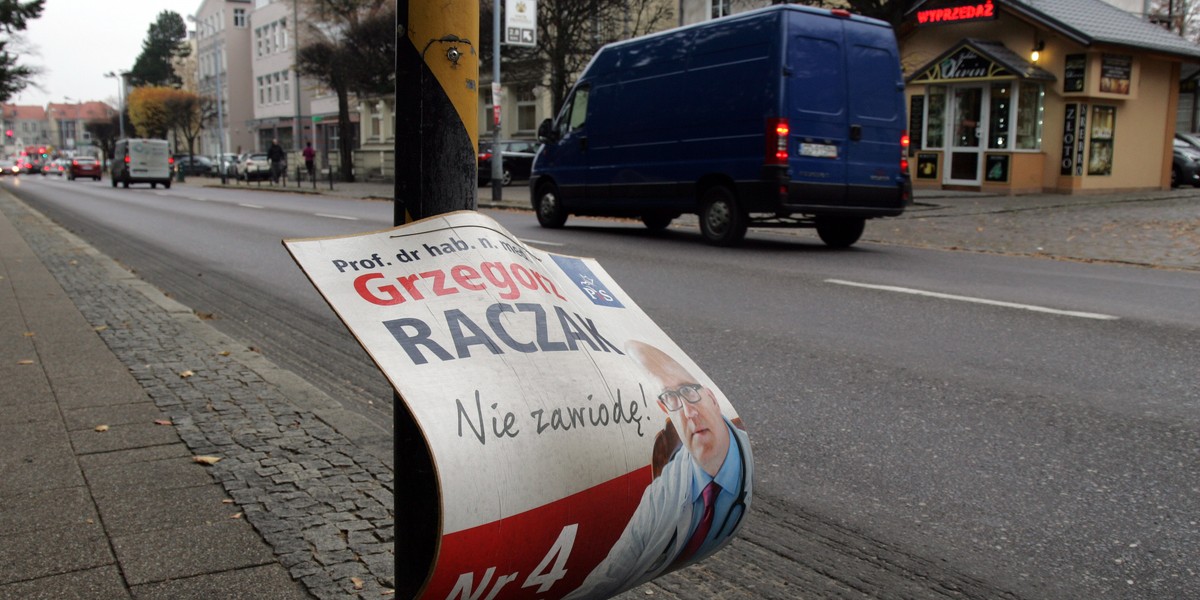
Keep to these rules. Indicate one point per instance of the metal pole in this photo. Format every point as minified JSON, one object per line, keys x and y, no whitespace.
{"x":220,"y":118}
{"x":497,"y":155}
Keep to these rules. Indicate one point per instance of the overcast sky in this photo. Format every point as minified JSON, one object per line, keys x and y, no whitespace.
{"x":76,"y":42}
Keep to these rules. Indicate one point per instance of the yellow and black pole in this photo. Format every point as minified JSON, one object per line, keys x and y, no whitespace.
{"x":437,"y":104}
{"x":437,"y":131}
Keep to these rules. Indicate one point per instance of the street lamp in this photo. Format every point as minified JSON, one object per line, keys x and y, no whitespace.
{"x":120,"y":77}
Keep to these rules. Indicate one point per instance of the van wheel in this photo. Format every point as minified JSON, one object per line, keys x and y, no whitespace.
{"x":722,"y":222}
{"x":153,"y":185}
{"x":167,"y":184}
{"x":114,"y":182}
{"x":657,"y":222}
{"x":840,"y":233}
{"x":549,"y":209}
{"x":125,"y":182}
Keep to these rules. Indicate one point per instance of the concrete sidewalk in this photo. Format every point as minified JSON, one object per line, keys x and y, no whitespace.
{"x":110,"y":391}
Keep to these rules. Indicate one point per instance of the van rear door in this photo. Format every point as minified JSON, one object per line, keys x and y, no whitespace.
{"x":815,"y":105}
{"x":877,"y":116}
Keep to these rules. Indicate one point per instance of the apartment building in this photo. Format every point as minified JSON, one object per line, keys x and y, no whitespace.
{"x":223,"y":67}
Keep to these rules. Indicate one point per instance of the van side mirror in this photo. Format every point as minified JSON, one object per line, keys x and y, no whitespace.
{"x":546,"y":133}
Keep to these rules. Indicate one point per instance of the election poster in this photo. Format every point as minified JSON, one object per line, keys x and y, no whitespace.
{"x":578,"y":451}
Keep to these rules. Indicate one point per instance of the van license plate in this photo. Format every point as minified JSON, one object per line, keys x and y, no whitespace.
{"x":819,"y":150}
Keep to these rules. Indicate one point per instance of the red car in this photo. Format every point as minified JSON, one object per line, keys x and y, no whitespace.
{"x":84,"y":166}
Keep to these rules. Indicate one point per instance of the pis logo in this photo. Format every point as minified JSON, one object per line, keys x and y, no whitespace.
{"x":587,"y":282}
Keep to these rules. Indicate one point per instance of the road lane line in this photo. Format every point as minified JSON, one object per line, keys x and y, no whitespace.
{"x":1031,"y":307}
{"x":249,"y":205}
{"x":540,"y":242}
{"x":329,"y":216}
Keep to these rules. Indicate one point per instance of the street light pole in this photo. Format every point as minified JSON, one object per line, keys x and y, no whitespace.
{"x":221,"y":119}
{"x":120,"y":77}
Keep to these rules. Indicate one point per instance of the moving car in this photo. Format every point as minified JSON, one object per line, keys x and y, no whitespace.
{"x":517,"y":156}
{"x":786,"y":116}
{"x":254,"y":166}
{"x":57,"y":167}
{"x":9,"y":167}
{"x":84,"y":166}
{"x":1185,"y":164}
{"x":141,"y":160}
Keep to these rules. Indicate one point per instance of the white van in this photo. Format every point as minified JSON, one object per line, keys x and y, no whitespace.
{"x":142,"y":161}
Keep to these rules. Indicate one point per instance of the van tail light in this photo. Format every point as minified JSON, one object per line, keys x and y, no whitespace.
{"x":170,"y":160}
{"x":777,"y":141}
{"x":904,"y":143}
{"x":127,"y":159}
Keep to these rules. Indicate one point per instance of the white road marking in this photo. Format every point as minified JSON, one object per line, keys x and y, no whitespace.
{"x":249,"y":205}
{"x":342,"y":217}
{"x":916,"y":292}
{"x":540,"y":242}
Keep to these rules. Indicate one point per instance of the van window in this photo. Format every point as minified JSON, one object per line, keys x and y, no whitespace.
{"x":579,"y":105}
{"x":817,"y":65}
{"x":870,"y":64}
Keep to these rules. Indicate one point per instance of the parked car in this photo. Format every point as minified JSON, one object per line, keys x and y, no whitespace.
{"x":517,"y":159}
{"x":57,"y":167}
{"x":1185,"y":164}
{"x":1192,"y":139}
{"x":227,"y":162}
{"x":84,"y":166}
{"x":254,"y":166}
{"x":9,"y":167}
{"x":195,"y":164}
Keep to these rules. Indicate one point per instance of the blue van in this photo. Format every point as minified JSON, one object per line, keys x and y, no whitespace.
{"x":787,"y":116}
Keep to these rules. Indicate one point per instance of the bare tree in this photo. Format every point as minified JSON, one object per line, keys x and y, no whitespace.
{"x":569,"y":33}
{"x":351,"y":48}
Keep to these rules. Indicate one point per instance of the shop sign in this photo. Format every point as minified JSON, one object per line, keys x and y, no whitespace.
{"x":1070,"y":122}
{"x":927,"y":165}
{"x":957,"y":13}
{"x":996,"y":168}
{"x":1074,"y":72}
{"x":916,"y":125}
{"x":963,"y":64}
{"x":1115,"y":72}
{"x":1080,"y":142}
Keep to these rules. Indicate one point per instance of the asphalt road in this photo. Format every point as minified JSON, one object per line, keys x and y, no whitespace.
{"x":925,"y":423}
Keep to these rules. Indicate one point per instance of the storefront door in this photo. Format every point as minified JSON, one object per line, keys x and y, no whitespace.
{"x":967,"y":133}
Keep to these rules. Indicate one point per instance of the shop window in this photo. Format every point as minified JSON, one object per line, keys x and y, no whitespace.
{"x":999,"y":115}
{"x":1030,"y":115}
{"x":1100,"y":152}
{"x":935,"y":117}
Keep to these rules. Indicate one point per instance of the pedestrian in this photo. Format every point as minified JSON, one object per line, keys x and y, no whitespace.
{"x":276,"y":157}
{"x":309,"y":154}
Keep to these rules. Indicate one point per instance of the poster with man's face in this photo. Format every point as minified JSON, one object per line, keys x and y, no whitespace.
{"x":543,"y":393}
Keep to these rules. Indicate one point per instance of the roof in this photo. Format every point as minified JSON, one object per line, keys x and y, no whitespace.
{"x":1091,"y":22}
{"x":84,"y":111}
{"x":19,"y":112}
{"x":1094,"y":22}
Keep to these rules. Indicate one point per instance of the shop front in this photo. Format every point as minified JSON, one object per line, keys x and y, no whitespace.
{"x":1011,"y":99}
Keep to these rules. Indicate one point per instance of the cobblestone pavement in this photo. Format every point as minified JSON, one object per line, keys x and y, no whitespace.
{"x":324,"y":506}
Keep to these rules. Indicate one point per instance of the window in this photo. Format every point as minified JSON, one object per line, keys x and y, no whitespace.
{"x":287,"y":88}
{"x":239,"y":18}
{"x":935,"y":117}
{"x":577,"y":115}
{"x":999,"y":115}
{"x":526,"y":111}
{"x":1030,"y":114}
{"x":719,"y":8}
